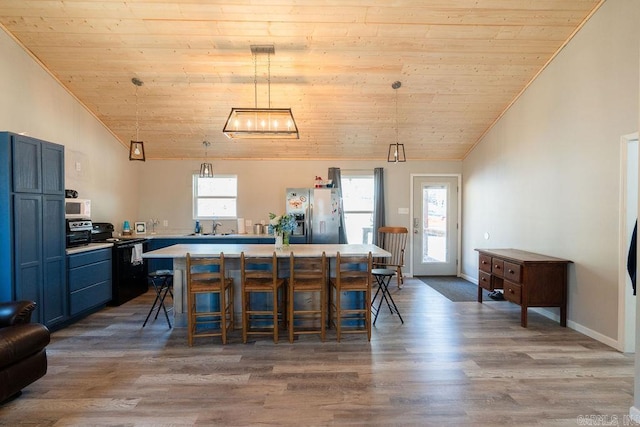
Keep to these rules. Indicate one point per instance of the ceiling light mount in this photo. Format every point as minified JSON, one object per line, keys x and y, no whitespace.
{"x":136,"y":148}
{"x":396,"y":151}
{"x":261,"y":123}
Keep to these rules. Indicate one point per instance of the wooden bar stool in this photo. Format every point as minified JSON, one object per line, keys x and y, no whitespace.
{"x":260,"y":277}
{"x":162,"y":281}
{"x":353,"y":276}
{"x":307,"y":276}
{"x":213,"y":315}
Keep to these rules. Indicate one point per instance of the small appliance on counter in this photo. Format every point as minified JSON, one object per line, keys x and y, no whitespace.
{"x":75,"y":208}
{"x":78,"y":232}
{"x":129,"y":270}
{"x":102,"y":231}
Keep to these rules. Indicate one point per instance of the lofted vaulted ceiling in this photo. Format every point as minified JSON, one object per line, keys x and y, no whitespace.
{"x":461,"y":64}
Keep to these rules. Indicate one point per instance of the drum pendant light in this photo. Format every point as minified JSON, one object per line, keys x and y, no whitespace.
{"x":265,"y":123}
{"x":396,"y":151}
{"x":136,"y":148}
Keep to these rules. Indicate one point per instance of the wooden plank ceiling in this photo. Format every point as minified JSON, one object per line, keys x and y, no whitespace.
{"x":461,"y":64}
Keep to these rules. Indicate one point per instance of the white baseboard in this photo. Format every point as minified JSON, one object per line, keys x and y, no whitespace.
{"x":570,"y":324}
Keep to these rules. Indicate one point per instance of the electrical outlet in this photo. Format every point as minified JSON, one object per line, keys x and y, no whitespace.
{"x":165,"y":222}
{"x":78,"y":166}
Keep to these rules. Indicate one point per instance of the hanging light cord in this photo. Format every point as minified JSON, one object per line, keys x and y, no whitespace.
{"x":137,"y":127}
{"x":397,"y":138}
{"x":261,"y":49}
{"x":269,"y":77}
{"x":255,"y":80}
{"x":137,"y":83}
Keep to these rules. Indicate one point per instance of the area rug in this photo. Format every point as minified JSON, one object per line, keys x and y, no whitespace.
{"x":454,"y":288}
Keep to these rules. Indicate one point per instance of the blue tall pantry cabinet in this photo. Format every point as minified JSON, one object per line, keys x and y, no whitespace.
{"x":32,"y":226}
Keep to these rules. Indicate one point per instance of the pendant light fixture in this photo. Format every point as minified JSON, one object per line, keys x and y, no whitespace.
{"x":266,"y":123}
{"x":396,"y":151}
{"x":206,"y":169}
{"x":136,"y":148}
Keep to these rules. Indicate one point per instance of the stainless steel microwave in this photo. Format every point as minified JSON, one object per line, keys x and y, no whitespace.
{"x":77,"y":208}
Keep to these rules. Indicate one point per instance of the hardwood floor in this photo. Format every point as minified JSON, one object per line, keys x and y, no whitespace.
{"x":449,"y":364}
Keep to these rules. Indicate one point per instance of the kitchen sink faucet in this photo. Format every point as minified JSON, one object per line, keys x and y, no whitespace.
{"x":214,"y":231}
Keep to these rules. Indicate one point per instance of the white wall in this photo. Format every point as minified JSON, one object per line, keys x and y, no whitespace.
{"x":165,"y":187}
{"x":546,"y":178}
{"x":35,"y":104}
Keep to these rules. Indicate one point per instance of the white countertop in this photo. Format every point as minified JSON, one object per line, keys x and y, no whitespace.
{"x":202,"y":236}
{"x":257,"y":250}
{"x":89,"y":247}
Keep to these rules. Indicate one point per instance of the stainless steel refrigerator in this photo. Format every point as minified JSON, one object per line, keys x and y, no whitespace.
{"x":317,"y":213}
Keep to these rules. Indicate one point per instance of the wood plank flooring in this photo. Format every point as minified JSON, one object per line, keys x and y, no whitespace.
{"x":449,"y":364}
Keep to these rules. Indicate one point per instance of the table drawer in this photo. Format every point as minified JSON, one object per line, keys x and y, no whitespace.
{"x":484,"y":280}
{"x":513,"y":292}
{"x":512,"y":272}
{"x":497,"y":267}
{"x":485,"y":263}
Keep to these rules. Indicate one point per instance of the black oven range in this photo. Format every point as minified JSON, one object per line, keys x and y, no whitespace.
{"x":129,"y":270}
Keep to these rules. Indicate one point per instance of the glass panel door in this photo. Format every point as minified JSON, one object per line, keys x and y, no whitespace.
{"x":435,"y":225}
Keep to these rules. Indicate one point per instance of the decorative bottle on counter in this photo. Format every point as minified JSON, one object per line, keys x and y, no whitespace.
{"x":126,"y":229}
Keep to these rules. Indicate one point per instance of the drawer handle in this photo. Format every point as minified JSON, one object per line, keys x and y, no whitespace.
{"x":484,"y":262}
{"x":510,"y":291}
{"x":511,"y":271}
{"x":484,"y":279}
{"x":497,"y":266}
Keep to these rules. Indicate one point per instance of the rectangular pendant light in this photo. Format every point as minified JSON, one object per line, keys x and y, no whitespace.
{"x":396,"y":153}
{"x":136,"y":150}
{"x":261,"y":123}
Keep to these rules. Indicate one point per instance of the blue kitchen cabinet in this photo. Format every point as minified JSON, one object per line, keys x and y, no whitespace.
{"x":32,"y":226}
{"x":90,"y":281}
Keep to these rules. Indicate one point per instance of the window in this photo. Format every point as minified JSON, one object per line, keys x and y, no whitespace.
{"x":215,"y":198}
{"x":357,"y":202}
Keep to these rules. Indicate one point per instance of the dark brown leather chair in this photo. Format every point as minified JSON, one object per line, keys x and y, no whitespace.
{"x":23,"y":357}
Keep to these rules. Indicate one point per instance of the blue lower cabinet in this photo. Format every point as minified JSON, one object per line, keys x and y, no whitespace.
{"x":89,"y":280}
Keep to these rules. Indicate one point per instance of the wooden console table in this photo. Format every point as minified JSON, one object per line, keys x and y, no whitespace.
{"x":528,"y":279}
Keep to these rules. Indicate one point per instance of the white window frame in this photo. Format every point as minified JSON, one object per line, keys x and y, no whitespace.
{"x":358,"y":174}
{"x":196,"y":197}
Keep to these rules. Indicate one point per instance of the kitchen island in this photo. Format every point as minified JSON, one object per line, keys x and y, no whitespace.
{"x":159,"y":241}
{"x":232,"y":251}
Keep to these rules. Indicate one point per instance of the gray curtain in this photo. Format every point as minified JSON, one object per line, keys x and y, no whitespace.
{"x":378,"y":202}
{"x":334,"y":175}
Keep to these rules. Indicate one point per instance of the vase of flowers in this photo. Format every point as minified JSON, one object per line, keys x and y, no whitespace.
{"x":282,"y":226}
